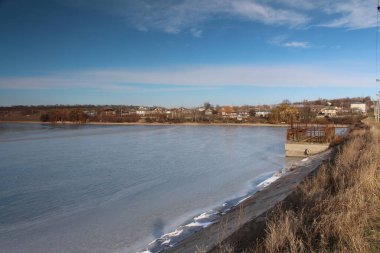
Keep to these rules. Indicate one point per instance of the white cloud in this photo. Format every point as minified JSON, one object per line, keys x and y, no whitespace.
{"x":175,"y":16}
{"x":353,"y":14}
{"x":282,"y":41}
{"x":266,"y":14}
{"x":191,"y":13}
{"x":196,"y":32}
{"x":301,"y":44}
{"x":298,"y":4}
{"x":350,"y":14}
{"x":201,"y":77}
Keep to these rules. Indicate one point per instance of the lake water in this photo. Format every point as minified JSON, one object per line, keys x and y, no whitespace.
{"x":117,"y":188}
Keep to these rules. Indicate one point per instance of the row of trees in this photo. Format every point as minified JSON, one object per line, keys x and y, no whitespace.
{"x":286,"y":113}
{"x":283,"y":113}
{"x":62,"y":115}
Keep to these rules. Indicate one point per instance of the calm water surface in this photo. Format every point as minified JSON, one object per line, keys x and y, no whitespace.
{"x":116,"y":188}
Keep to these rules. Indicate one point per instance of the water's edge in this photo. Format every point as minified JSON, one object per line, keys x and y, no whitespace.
{"x":248,"y":210}
{"x":210,"y":217}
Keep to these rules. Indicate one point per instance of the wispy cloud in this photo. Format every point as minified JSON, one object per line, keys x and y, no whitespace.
{"x":349,"y":14}
{"x":196,"y":32}
{"x":203,"y":77}
{"x":282,"y":41}
{"x":255,"y":11}
{"x":352,"y":14}
{"x":297,"y":4}
{"x":301,"y":44}
{"x":190,"y":15}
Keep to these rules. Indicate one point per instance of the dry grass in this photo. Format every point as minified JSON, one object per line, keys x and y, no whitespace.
{"x":200,"y":249}
{"x":338,"y":210}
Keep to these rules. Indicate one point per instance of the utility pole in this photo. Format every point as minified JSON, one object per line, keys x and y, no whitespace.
{"x":377,"y":108}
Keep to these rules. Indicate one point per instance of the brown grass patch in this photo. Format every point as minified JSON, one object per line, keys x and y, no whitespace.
{"x":337,"y":210}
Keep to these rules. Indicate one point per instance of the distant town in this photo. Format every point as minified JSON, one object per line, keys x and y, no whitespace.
{"x":338,"y":111}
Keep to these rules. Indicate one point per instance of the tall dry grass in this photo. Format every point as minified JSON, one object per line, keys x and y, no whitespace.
{"x":337,"y":210}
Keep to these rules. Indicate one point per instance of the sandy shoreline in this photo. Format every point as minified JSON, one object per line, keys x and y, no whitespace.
{"x":159,"y":124}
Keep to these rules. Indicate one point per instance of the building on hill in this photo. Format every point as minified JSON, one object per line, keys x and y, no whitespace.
{"x":90,"y":113}
{"x":359,"y":107}
{"x":262,"y":114}
{"x":316,"y":108}
{"x":209,"y":112}
{"x":243,"y":113}
{"x":108,"y":112}
{"x":228,"y":112}
{"x":329,"y":111}
{"x":143,"y":112}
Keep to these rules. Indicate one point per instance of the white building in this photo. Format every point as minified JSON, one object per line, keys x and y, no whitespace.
{"x":262,"y":114}
{"x":359,"y":107}
{"x":208,"y":112}
{"x":329,"y":111}
{"x":142,"y":111}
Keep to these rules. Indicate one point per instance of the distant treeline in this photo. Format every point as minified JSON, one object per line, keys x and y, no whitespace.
{"x":285,"y":112}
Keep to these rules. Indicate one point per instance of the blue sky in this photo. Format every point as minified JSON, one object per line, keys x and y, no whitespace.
{"x":185,"y":52}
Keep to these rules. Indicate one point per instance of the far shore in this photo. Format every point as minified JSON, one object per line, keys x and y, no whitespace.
{"x":159,"y":124}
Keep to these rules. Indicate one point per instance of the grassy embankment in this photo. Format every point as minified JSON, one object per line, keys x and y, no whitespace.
{"x":338,"y":210}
